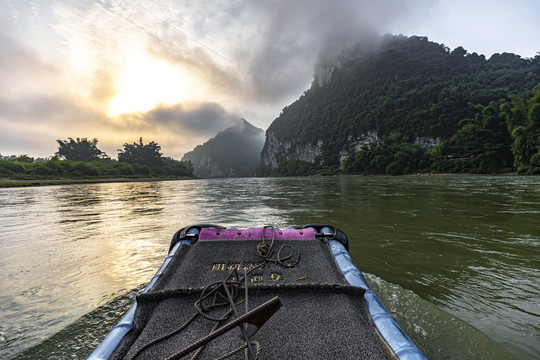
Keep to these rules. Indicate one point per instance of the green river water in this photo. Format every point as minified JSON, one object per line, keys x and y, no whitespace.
{"x":455,"y":259}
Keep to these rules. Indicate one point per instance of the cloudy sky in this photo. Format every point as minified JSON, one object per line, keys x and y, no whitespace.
{"x":177,"y":72}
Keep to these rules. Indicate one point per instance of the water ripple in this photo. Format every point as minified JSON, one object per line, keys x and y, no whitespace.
{"x":468,"y":246}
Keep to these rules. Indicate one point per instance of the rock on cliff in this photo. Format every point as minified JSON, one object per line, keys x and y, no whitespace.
{"x":234,"y":152}
{"x":276,"y":151}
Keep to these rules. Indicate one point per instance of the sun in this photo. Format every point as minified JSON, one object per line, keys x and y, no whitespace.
{"x":145,"y":82}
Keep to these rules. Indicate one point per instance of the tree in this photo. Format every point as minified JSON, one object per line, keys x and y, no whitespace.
{"x":25,"y":158}
{"x":523,"y":119}
{"x":79,"y":150}
{"x":393,"y":155}
{"x":140,"y":153}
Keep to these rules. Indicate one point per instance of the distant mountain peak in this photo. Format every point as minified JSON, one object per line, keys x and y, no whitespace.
{"x":233,"y":152}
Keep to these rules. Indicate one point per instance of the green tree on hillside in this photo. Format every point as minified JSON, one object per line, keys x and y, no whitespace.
{"x":393,"y":155}
{"x":523,"y":119}
{"x":79,"y":150}
{"x":140,"y":153}
{"x":481,"y":145}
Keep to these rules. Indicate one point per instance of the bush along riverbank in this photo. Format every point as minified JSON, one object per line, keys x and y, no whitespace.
{"x":81,"y":160}
{"x":17,"y":173}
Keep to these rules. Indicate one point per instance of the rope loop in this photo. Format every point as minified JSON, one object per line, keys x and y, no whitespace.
{"x":265,"y":251}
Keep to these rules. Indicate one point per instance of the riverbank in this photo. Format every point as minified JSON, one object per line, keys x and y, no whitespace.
{"x":463,"y":174}
{"x":44,"y":182}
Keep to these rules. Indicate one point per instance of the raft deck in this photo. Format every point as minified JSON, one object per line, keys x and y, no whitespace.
{"x":322,"y":317}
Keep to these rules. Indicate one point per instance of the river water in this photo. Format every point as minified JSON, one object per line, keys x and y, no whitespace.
{"x":455,"y":259}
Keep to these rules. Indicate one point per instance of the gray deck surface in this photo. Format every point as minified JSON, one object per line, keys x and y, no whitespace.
{"x":312,"y":323}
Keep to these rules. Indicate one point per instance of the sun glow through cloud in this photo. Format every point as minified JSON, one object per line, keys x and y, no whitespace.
{"x":145,"y":82}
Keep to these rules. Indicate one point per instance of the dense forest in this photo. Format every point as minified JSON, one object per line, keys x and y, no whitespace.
{"x":426,"y":107}
{"x":82,"y":159}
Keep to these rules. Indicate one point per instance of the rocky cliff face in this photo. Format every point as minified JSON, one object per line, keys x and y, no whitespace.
{"x":234,"y":152}
{"x":277,"y":151}
{"x":208,"y":168}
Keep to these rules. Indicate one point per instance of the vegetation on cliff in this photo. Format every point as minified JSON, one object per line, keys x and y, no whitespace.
{"x":482,"y":114}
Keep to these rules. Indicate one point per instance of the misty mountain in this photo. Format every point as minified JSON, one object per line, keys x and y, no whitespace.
{"x":403,"y":95}
{"x":234,"y":152}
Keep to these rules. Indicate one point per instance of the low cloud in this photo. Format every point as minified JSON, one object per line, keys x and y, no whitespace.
{"x":206,"y":119}
{"x":265,"y":52}
{"x":22,"y":71}
{"x":186,"y":121}
{"x":176,"y":50}
{"x":177,"y":128}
